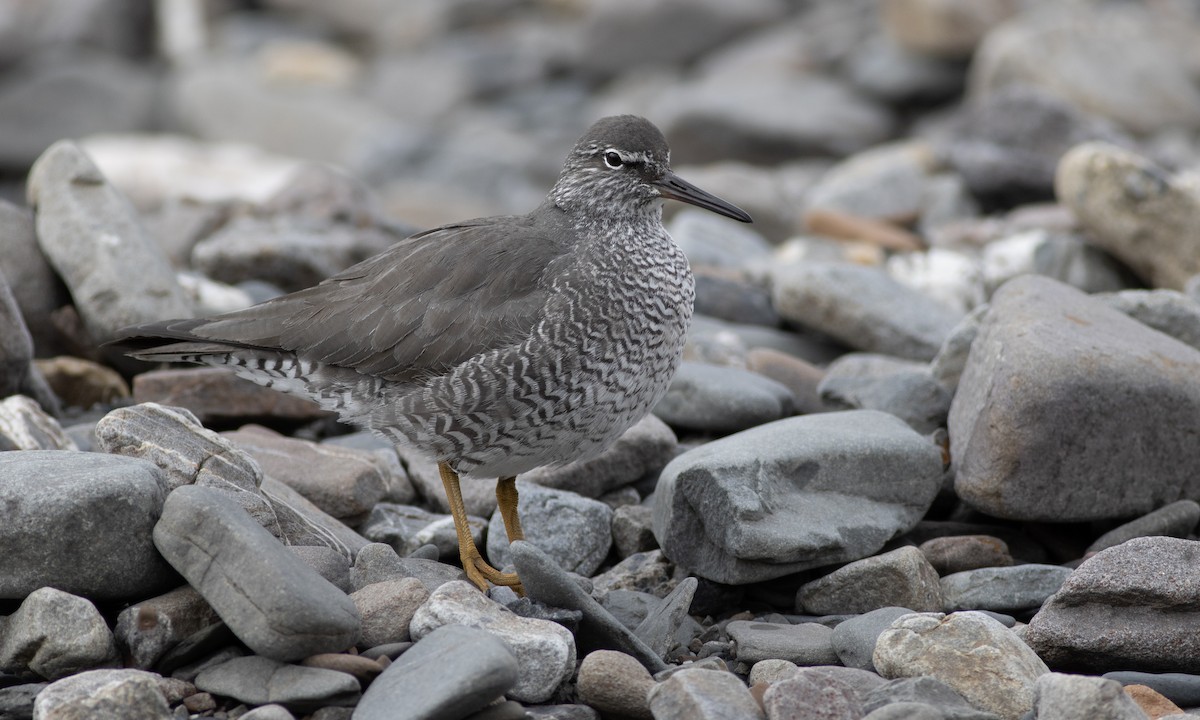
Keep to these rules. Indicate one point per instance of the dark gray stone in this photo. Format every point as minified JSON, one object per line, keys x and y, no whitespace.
{"x":630,"y":607}
{"x":16,"y":701}
{"x":1180,"y":688}
{"x":1134,"y":587}
{"x":803,"y":644}
{"x":864,"y":308}
{"x":55,"y":634}
{"x":722,"y":399}
{"x":269,"y":598}
{"x":854,"y":638}
{"x":1175,"y":520}
{"x":720,"y":296}
{"x":257,"y":680}
{"x":45,"y":491}
{"x":837,"y":487}
{"x":574,"y":530}
{"x":1118,"y":434}
{"x":1003,"y":589}
{"x":905,"y":389}
{"x":147,"y":630}
{"x":643,"y":449}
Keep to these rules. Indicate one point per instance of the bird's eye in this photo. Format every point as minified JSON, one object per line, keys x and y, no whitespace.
{"x":613,"y":160}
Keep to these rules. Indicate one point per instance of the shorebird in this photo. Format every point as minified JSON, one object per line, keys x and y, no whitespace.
{"x":495,"y":345}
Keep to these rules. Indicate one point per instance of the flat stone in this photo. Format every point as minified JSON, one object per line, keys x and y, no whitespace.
{"x":545,"y":651}
{"x":803,"y":644}
{"x":864,"y":308}
{"x":147,"y":630}
{"x":75,"y":204}
{"x":119,"y":499}
{"x":854,"y":638}
{"x":1076,"y":697}
{"x":387,"y":609}
{"x":615,"y":683}
{"x":838,"y":477}
{"x":258,"y":680}
{"x":902,"y":388}
{"x":343,"y":482}
{"x":1181,"y":688}
{"x":55,"y":634}
{"x":712,"y":241}
{"x":1133,"y":209}
{"x":722,"y":399}
{"x":705,"y":695}
{"x":926,"y":691}
{"x":270,"y":599}
{"x":103,"y":695}
{"x":957,"y":553}
{"x":1177,"y":519}
{"x":1140,"y":587}
{"x":1022,"y":399}
{"x":574,"y":530}
{"x":643,"y":449}
{"x":972,"y":653}
{"x":1002,"y":589}
{"x":216,"y":395}
{"x":799,"y":695}
{"x":24,"y":425}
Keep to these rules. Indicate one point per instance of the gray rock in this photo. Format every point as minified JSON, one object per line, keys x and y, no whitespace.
{"x":1182,"y":689}
{"x":75,"y":205}
{"x":837,"y":487}
{"x":864,"y":308}
{"x":648,"y":571}
{"x":771,"y":670}
{"x":24,"y":425}
{"x":1175,"y":520}
{"x":452,"y":672}
{"x":633,"y":530}
{"x":854,"y":638}
{"x":976,"y":656}
{"x":643,"y":449}
{"x":803,"y":644}
{"x":903,"y":388}
{"x":268,"y":712}
{"x":943,"y":31}
{"x":906,"y":711}
{"x":269,"y":598}
{"x":378,"y":562}
{"x":119,"y":499}
{"x":1131,"y":587}
{"x":34,"y":284}
{"x":574,"y":530}
{"x":713,"y":241}
{"x":802,"y":694}
{"x":303,"y":523}
{"x":957,"y":553}
{"x":16,"y":701}
{"x":900,"y":578}
{"x":704,"y":695}
{"x":615,"y":683}
{"x":479,"y":493}
{"x":387,"y":609}
{"x":1133,"y":209}
{"x":630,"y":607}
{"x":19,"y":374}
{"x":103,"y":695}
{"x":146,"y":630}
{"x":545,"y":651}
{"x":801,"y":377}
{"x":406,"y":528}
{"x":1167,"y":311}
{"x":55,"y":634}
{"x":1002,"y":589}
{"x":886,"y":182}
{"x":329,"y":564}
{"x":1033,"y":341}
{"x":562,"y":712}
{"x":926,"y":691}
{"x":258,"y":680}
{"x":659,"y":628}
{"x":947,"y":366}
{"x":1067,"y":51}
{"x":720,"y":399}
{"x":885,"y":70}
{"x":1076,"y":697}
{"x":722,"y":295}
{"x":545,"y":581}
{"x":812,"y":348}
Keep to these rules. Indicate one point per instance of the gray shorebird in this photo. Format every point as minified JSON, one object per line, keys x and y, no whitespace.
{"x":495,"y":345}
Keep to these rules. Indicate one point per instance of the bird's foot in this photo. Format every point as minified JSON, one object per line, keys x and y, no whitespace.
{"x":480,"y":573}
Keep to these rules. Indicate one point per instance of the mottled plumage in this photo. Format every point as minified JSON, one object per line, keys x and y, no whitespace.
{"x":496,"y":345}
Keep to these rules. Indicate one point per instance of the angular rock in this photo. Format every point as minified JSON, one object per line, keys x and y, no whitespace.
{"x":801,"y":695}
{"x":1133,"y":209}
{"x":387,"y":609}
{"x":803,"y":644}
{"x":1075,"y":697}
{"x":972,"y":653}
{"x":794,"y":494}
{"x":406,"y":528}
{"x":615,"y":683}
{"x":660,"y":626}
{"x":1002,"y":589}
{"x":545,"y":651}
{"x":719,"y":399}
{"x":574,"y":530}
{"x":645,"y":448}
{"x":648,"y":571}
{"x":91,"y":235}
{"x":1125,"y":608}
{"x":258,"y":680}
{"x":452,"y":672}
{"x":377,"y":562}
{"x":925,"y":691}
{"x":24,"y":425}
{"x":958,"y":553}
{"x":864,"y":308}
{"x":267,"y":596}
{"x":46,"y":492}
{"x":633,"y":530}
{"x":902,"y":577}
{"x":146,"y":630}
{"x":55,"y":634}
{"x":704,"y":695}
{"x":854,"y":638}
{"x":905,"y":389}
{"x":1107,"y":443}
{"x":103,"y":695}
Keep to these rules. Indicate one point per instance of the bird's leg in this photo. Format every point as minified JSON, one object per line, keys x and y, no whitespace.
{"x":476,"y":568}
{"x":506,"y":496}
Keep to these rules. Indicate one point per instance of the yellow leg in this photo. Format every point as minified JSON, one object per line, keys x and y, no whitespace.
{"x":506,"y":496}
{"x":476,"y":568}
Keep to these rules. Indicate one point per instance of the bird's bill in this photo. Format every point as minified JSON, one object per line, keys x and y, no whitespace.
{"x":673,"y":187}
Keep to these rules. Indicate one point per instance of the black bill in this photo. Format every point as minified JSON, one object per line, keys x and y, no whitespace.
{"x":673,"y":187}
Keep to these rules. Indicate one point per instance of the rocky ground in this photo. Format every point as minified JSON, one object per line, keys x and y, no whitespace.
{"x":932,"y":454}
